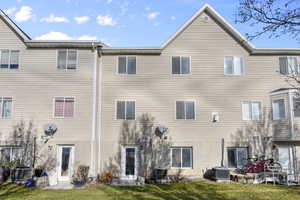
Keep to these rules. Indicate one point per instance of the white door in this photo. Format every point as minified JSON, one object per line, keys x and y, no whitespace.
{"x":285,"y":157}
{"x":129,"y":163}
{"x":65,"y":163}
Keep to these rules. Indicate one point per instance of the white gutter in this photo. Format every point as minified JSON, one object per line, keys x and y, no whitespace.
{"x":95,"y":112}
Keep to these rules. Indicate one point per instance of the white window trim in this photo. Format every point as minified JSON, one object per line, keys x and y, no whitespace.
{"x":244,"y":66}
{"x":126,"y":74}
{"x":191,"y":155}
{"x":66,"y":69}
{"x":63,"y":117}
{"x":12,"y":107}
{"x":9,"y":54}
{"x":116,"y":109}
{"x":11,"y":150}
{"x":261,"y":111}
{"x":289,"y":69}
{"x":181,"y":74}
{"x":285,"y":109}
{"x":195,"y":109}
{"x":234,"y":147}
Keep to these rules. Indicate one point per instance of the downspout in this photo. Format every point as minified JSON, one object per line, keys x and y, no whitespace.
{"x":95,"y":111}
{"x":100,"y":112}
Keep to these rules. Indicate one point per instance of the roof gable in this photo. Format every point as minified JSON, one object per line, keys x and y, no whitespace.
{"x":220,"y":21}
{"x":18,"y":31}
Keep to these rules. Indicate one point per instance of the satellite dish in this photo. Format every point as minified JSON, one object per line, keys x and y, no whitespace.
{"x":50,"y":129}
{"x":160,"y":130}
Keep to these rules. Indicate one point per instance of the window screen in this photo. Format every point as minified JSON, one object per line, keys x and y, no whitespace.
{"x":125,"y":110}
{"x":127,"y":65}
{"x":185,"y":110}
{"x":181,"y":157}
{"x":181,"y":65}
{"x":278,"y":109}
{"x":234,"y":65}
{"x":67,"y":59}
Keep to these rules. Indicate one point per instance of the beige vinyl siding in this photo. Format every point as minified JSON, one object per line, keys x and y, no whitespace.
{"x":35,"y":84}
{"x":155,"y":90}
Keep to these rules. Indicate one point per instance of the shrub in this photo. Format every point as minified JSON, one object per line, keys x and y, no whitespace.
{"x":106,"y":178}
{"x":81,"y":175}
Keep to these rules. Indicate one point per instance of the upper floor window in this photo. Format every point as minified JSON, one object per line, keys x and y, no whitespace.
{"x":125,"y":110}
{"x":64,"y":107}
{"x":67,"y":59}
{"x":181,"y":65}
{"x":5,"y":107}
{"x":126,"y":65}
{"x":296,"y":101}
{"x":251,"y":110}
{"x":181,"y":157}
{"x":288,"y":65}
{"x":9,"y":59}
{"x":278,"y":109}
{"x":185,"y":110}
{"x":234,"y":65}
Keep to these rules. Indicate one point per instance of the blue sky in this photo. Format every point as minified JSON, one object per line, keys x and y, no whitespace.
{"x":120,"y":22}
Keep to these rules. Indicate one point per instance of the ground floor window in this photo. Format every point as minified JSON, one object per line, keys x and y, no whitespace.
{"x":10,"y":153}
{"x":237,"y":156}
{"x":181,"y":157}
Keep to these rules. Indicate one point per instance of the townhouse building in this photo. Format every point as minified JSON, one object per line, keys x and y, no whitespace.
{"x":218,"y":95}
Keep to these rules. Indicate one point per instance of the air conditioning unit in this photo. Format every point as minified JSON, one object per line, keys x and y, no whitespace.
{"x":220,"y":173}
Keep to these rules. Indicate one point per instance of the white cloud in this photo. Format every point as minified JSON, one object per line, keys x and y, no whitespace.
{"x":173,"y":17}
{"x":153,"y":15}
{"x":82,"y":19}
{"x":106,"y":20}
{"x":147,"y":8}
{"x":10,"y":11}
{"x":24,"y":14}
{"x":54,"y":36}
{"x":108,"y":1}
{"x":63,"y":36}
{"x":54,"y":19}
{"x":87,"y":37}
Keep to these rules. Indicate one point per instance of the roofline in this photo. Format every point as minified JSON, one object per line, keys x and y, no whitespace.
{"x":131,"y":51}
{"x":64,"y":43}
{"x":275,"y":51}
{"x":147,"y":50}
{"x":14,"y":26}
{"x":210,"y":10}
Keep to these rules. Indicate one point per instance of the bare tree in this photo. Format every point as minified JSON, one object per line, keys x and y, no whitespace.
{"x":273,"y":17}
{"x":153,"y":151}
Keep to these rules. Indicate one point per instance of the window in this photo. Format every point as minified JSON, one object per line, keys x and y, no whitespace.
{"x":9,"y":59}
{"x":181,"y":157}
{"x":67,"y":59}
{"x":126,"y":110}
{"x":251,"y":110}
{"x":181,"y":65}
{"x":234,"y":65}
{"x":64,"y":107}
{"x":296,"y":107}
{"x":237,"y":157}
{"x":288,"y":65}
{"x":5,"y":107}
{"x":127,"y":65}
{"x":8,"y":154}
{"x":278,"y":109}
{"x":185,"y":110}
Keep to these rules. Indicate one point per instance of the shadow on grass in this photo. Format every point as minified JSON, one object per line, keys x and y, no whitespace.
{"x":11,"y":190}
{"x":203,"y":191}
{"x":177,"y":191}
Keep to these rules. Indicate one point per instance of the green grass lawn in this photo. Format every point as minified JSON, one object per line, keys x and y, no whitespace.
{"x":177,"y":191}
